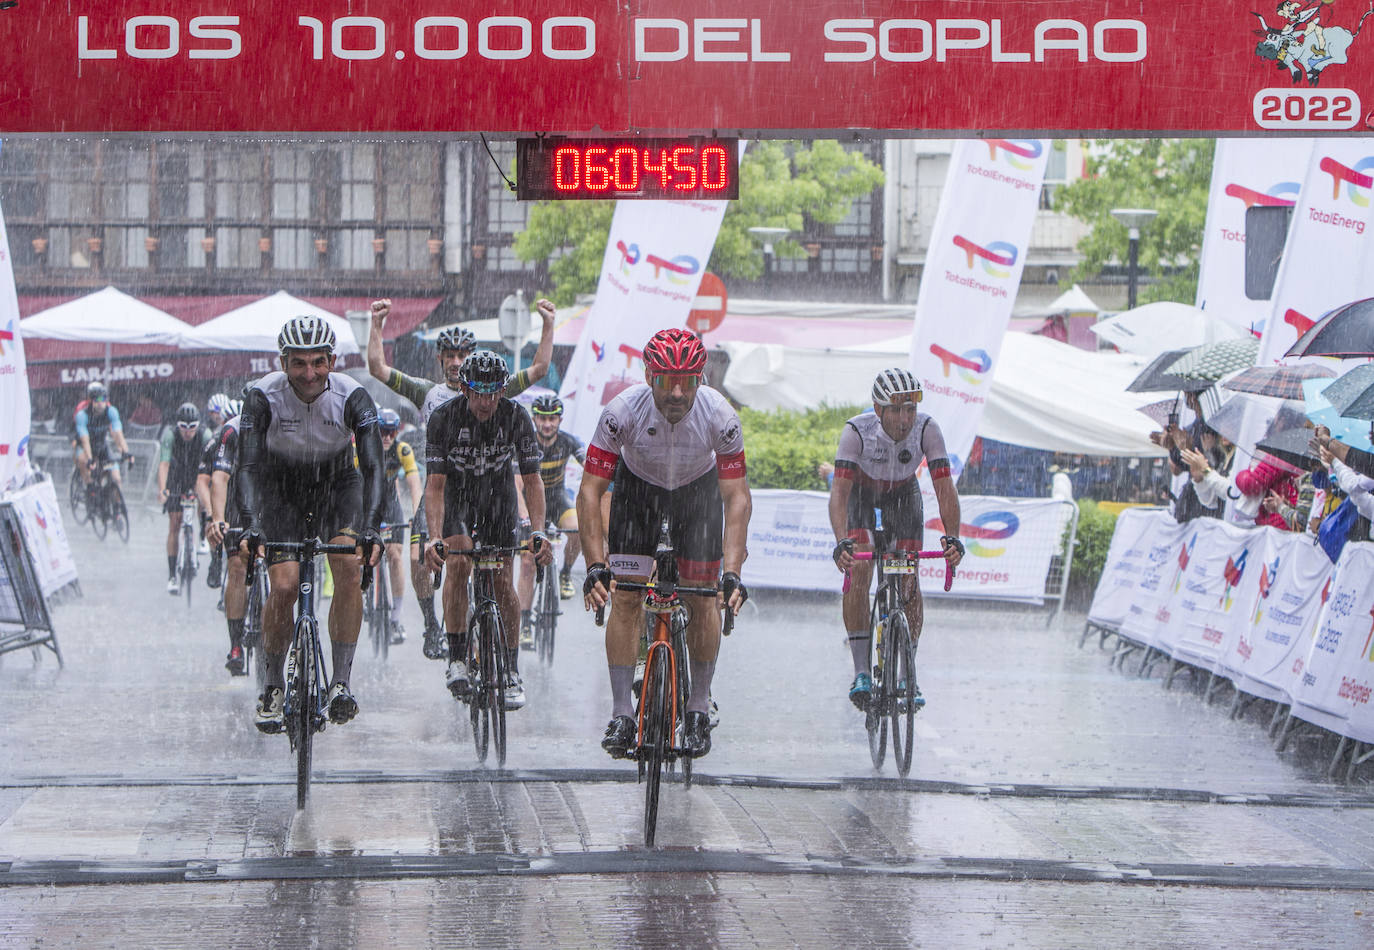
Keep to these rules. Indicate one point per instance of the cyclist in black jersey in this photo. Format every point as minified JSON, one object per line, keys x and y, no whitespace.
{"x":224,"y":514}
{"x":557,"y":447}
{"x":96,"y":433}
{"x":471,"y":441}
{"x":298,"y":434}
{"x":399,"y":459}
{"x":178,"y":463}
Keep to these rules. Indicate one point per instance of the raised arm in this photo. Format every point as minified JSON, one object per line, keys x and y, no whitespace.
{"x":543,"y":354}
{"x":376,"y":354}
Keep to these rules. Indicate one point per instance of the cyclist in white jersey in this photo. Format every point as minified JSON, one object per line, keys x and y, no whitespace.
{"x":675,"y":448}
{"x":876,"y":465}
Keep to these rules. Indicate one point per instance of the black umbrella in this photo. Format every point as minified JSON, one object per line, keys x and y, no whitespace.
{"x":1352,"y":395}
{"x":1153,"y":379}
{"x":1290,"y":445}
{"x":1346,"y":331}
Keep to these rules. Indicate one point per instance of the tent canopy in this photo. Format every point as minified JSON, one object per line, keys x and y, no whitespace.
{"x":105,"y":316}
{"x":255,"y":326}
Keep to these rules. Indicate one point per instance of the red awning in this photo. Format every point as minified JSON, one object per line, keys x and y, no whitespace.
{"x":57,"y":363}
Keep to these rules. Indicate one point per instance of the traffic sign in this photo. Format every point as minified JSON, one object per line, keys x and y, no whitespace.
{"x":708,"y":309}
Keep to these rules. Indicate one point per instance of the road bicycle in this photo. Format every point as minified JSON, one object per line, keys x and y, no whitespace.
{"x":379,"y":607}
{"x":893,"y":699}
{"x":305,"y":707}
{"x":661,"y":710}
{"x":102,"y":501}
{"x":486,"y":660}
{"x":547,"y":605}
{"x":254,"y":656}
{"x":188,"y":563}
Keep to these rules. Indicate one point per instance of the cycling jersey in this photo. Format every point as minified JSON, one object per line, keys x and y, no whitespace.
{"x":475,"y":456}
{"x":632,"y":430}
{"x":428,"y":395}
{"x":183,"y":457}
{"x":223,"y":453}
{"x":554,"y":465}
{"x":94,"y":425}
{"x":400,"y":461}
{"x":296,"y":459}
{"x":868,"y":455}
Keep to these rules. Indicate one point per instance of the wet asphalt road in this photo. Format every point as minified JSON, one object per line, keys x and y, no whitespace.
{"x":1054,"y":800}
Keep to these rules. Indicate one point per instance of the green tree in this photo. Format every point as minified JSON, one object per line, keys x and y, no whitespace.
{"x":1173,"y":177}
{"x":781,"y":185}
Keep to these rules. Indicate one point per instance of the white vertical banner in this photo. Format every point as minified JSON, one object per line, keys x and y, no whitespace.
{"x":972,"y":272}
{"x":14,"y":377}
{"x":655,"y":256}
{"x":1330,"y":248}
{"x":1246,"y":173}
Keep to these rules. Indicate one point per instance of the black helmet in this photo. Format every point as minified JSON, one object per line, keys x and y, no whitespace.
{"x":547,"y":405}
{"x":96,"y":390}
{"x":456,"y":338}
{"x":484,"y":372}
{"x":389,"y":420}
{"x":187,"y":412}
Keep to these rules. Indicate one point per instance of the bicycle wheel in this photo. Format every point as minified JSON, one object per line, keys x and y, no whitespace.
{"x":656,"y":730}
{"x":684,"y":690}
{"x":371,"y":602}
{"x":119,"y":512}
{"x":383,"y":609}
{"x":307,"y":700}
{"x":76,"y":497}
{"x":902,"y":691}
{"x":98,"y":515}
{"x":253,"y":654}
{"x":187,"y":562}
{"x":548,"y":617}
{"x":479,"y":696}
{"x":497,"y":704}
{"x":874,"y":720}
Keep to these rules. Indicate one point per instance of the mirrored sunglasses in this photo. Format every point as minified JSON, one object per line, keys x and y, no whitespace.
{"x":905,"y":399}
{"x":188,"y":426}
{"x":485,"y":388}
{"x":670,"y":380}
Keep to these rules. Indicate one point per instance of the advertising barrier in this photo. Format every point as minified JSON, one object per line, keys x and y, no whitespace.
{"x":1011,"y":545}
{"x":46,"y":538}
{"x":1263,"y":608}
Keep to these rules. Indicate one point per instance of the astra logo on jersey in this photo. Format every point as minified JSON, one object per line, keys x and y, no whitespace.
{"x":996,"y":258}
{"x":1018,"y":153}
{"x":1282,"y":195}
{"x":973,"y":364}
{"x":989,"y":526}
{"x":1357,"y":181}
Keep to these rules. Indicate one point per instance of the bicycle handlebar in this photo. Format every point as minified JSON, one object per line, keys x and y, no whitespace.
{"x":921,"y":555}
{"x":726,"y":627}
{"x":314,"y":546}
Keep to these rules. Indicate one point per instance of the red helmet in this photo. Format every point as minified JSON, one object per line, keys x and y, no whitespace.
{"x":675,"y":351}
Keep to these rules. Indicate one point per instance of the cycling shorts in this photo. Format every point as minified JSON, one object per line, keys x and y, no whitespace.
{"x":901,"y":511}
{"x":391,"y":506}
{"x":337,"y":506}
{"x":556,"y":503}
{"x":486,"y":512}
{"x":696,"y":517}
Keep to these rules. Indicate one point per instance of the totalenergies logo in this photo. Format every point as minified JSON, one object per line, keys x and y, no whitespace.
{"x":6,"y":336}
{"x":1233,"y":572}
{"x":1282,"y":195}
{"x":973,"y":364}
{"x":1185,"y":554}
{"x":678,"y":269}
{"x":1018,"y":153}
{"x":629,"y":256}
{"x":20,"y":449}
{"x":1268,"y":573}
{"x":1357,"y":180}
{"x":996,"y":258}
{"x":989,"y":526}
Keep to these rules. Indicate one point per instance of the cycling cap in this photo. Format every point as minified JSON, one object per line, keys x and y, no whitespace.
{"x":484,"y":372}
{"x":235,"y":408}
{"x":188,"y":412}
{"x":895,"y":382}
{"x":457,"y":338}
{"x":547,"y":405}
{"x":97,"y":390}
{"x":674,"y":351}
{"x":389,"y":420}
{"x":219,"y":402}
{"x":306,"y":333}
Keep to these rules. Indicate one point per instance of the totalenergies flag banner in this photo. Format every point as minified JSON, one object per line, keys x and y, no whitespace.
{"x":14,"y":380}
{"x":602,"y":66}
{"x":1010,"y":543}
{"x":971,"y":275}
{"x":1227,"y":572}
{"x":1128,"y":558}
{"x":44,"y":534}
{"x":1246,"y":173}
{"x":655,"y":256}
{"x":1334,"y":688}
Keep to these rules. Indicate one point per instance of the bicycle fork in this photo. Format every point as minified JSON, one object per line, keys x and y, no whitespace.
{"x":660,"y":645}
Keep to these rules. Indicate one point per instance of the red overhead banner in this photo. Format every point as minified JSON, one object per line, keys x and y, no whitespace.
{"x":733,"y":66}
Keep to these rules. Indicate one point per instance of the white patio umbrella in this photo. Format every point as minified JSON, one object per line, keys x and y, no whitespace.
{"x":107,"y":316}
{"x":1156,"y":327}
{"x":255,"y":326}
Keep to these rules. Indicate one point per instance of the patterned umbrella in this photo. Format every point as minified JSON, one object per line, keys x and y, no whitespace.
{"x":1282,"y":382}
{"x":1211,"y":361}
{"x":1353,"y":394}
{"x":1346,"y":331}
{"x":1353,"y":432}
{"x":1154,"y":379}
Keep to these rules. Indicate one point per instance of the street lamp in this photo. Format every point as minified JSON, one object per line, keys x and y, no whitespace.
{"x":1134,"y":219}
{"x":767,"y":236}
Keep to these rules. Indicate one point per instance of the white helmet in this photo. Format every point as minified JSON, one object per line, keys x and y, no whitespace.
{"x":895,"y":382}
{"x":306,"y":333}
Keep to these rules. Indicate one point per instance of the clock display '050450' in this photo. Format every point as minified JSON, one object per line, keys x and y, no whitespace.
{"x":682,"y":168}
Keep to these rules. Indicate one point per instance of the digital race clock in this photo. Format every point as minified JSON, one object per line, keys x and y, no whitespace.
{"x":552,"y":169}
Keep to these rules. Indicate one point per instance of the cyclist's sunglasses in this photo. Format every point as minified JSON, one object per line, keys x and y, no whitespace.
{"x":485,"y":388}
{"x":667,"y":381}
{"x":547,"y":415}
{"x":904,"y":399}
{"x":188,"y":426}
